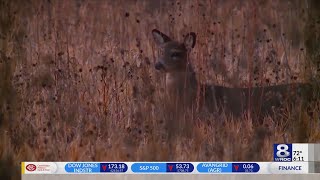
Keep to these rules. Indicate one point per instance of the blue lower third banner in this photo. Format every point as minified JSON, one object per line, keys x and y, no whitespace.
{"x":168,"y":167}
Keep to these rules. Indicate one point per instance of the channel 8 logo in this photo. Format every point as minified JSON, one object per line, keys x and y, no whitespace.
{"x":282,"y":152}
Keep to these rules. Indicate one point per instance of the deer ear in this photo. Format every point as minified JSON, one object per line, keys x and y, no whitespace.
{"x":160,"y":37}
{"x":190,"y":40}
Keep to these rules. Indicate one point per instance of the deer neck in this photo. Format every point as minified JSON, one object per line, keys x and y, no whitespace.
{"x":181,"y":82}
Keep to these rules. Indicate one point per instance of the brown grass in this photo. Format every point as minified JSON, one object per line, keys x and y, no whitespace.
{"x":77,"y":81}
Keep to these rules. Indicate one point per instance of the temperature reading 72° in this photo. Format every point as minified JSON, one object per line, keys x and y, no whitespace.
{"x":297,"y":153}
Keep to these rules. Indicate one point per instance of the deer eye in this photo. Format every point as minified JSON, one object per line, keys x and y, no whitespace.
{"x":175,"y":54}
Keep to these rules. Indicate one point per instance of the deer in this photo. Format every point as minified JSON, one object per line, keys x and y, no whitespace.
{"x":183,"y":89}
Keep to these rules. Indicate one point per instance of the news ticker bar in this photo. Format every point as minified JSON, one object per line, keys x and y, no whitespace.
{"x":170,"y":167}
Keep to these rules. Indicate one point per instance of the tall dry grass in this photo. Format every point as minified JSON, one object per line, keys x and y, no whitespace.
{"x":77,"y":81}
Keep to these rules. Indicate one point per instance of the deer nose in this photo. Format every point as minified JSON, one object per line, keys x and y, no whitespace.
{"x":159,"y":66}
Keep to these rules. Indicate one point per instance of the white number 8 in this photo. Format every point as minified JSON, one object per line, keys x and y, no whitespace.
{"x":282,"y":151}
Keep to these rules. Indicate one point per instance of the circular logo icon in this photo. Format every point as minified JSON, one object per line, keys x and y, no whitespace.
{"x":31,"y":167}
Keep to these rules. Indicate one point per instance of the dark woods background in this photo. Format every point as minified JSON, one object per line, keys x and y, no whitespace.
{"x":77,"y":81}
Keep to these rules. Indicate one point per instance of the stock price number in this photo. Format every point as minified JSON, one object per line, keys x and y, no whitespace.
{"x":248,"y":167}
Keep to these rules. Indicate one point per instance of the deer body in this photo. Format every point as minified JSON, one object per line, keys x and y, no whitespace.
{"x":261,"y":100}
{"x":183,"y":89}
